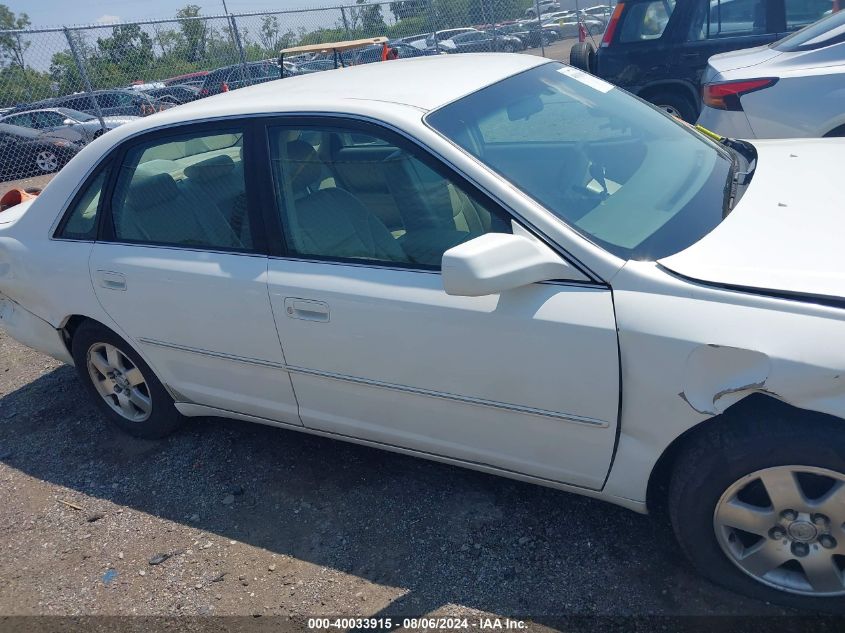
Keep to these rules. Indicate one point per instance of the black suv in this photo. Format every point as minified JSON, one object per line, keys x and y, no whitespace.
{"x":658,"y":49}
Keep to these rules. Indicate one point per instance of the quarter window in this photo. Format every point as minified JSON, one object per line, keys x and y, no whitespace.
{"x":81,"y":220}
{"x":361,"y":196}
{"x":184,"y":191}
{"x":646,"y":20}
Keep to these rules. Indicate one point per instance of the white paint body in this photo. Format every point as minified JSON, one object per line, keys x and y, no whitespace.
{"x":579,"y":386}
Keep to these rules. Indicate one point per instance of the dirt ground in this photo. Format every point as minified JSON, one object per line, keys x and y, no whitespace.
{"x":253,"y":520}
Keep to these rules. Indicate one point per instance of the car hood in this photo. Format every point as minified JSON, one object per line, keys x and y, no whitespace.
{"x":742,"y":58}
{"x":785,"y":233}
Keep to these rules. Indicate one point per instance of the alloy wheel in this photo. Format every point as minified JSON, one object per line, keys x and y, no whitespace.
{"x":785,"y":527}
{"x":47,"y":161}
{"x":119,"y":382}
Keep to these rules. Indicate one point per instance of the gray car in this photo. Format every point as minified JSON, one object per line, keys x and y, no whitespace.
{"x":73,"y":125}
{"x":792,"y":88}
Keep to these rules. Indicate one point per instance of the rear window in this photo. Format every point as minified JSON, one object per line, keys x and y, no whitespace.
{"x":646,"y":20}
{"x":830,"y":30}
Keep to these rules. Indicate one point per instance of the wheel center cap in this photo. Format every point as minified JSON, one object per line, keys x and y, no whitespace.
{"x":802,"y":531}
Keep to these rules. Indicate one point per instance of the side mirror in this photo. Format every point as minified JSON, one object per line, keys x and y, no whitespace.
{"x":495,"y":262}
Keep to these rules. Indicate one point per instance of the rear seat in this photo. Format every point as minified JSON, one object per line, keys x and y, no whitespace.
{"x":160,"y":210}
{"x":221,"y":180}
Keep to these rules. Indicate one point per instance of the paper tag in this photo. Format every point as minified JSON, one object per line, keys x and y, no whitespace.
{"x":586,"y":78}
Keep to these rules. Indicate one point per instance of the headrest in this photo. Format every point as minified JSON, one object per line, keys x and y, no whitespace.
{"x":148,"y":191}
{"x":210,"y":169}
{"x":304,"y":164}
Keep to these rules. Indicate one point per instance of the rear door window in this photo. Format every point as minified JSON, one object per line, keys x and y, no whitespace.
{"x":716,"y":19}
{"x":646,"y":21}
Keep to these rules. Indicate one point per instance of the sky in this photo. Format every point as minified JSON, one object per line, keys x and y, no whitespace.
{"x":63,"y":12}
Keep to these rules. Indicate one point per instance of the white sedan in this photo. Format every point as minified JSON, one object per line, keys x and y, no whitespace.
{"x":495,"y":261}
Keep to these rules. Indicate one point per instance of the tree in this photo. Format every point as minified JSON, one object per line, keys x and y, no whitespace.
{"x":405,"y":9}
{"x":128,"y":47}
{"x":12,"y":45}
{"x":369,"y":17}
{"x":194,"y":31}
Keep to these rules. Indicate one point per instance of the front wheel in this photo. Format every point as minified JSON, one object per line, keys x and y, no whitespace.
{"x":122,"y":385}
{"x":760,"y":509}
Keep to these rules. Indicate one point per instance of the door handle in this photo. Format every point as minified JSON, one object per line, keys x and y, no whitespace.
{"x":111,"y":280}
{"x":307,"y":310}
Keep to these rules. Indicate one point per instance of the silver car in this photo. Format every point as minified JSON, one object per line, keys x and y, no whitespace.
{"x":792,"y":88}
{"x":73,"y":125}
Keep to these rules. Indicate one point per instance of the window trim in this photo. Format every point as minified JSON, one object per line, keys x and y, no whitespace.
{"x":106,"y":232}
{"x":351,"y":123}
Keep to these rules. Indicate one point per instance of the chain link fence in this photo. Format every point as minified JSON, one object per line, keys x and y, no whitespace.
{"x":62,"y":87}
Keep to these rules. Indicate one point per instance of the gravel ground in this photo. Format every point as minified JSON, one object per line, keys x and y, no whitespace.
{"x":253,"y":520}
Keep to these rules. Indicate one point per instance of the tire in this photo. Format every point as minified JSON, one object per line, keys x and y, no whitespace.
{"x":544,"y":40}
{"x":736,"y":455}
{"x":582,"y":55}
{"x":530,"y":14}
{"x":508,"y":48}
{"x":137,"y":402}
{"x":675,"y":104}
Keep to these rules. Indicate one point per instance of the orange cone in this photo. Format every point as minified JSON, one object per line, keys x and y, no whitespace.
{"x":14,"y":197}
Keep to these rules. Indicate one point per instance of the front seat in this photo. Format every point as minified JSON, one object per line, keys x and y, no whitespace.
{"x":332,"y":222}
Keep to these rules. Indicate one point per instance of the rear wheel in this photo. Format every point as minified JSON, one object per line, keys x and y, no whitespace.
{"x":675,"y":104}
{"x":760,"y":509}
{"x":582,"y":55}
{"x":122,"y":385}
{"x":508,"y":48}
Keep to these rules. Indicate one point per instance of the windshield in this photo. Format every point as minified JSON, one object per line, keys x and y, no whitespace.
{"x":827,"y":31}
{"x":622,"y":173}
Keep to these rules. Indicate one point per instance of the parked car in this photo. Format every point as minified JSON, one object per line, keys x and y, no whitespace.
{"x":568,"y":27}
{"x":658,"y":49}
{"x":546,"y":6}
{"x":236,"y":76}
{"x":601,"y":12}
{"x":188,"y":79}
{"x":435,"y":38}
{"x":174,"y":94}
{"x":529,"y":33}
{"x":614,"y":307}
{"x":314,"y":66}
{"x":482,"y":42}
{"x":792,"y":88}
{"x":26,"y":152}
{"x":111,"y":103}
{"x":372,"y":54}
{"x":73,"y":125}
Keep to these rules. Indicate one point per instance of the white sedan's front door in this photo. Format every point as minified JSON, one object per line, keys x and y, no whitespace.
{"x":526,"y":380}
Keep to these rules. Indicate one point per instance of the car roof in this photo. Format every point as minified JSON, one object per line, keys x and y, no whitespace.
{"x":422,"y":82}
